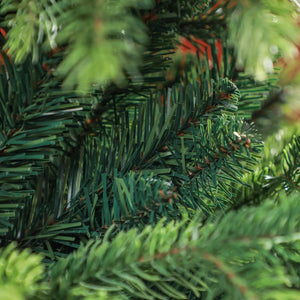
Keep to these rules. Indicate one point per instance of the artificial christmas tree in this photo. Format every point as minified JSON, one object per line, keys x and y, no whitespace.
{"x":129,"y":163}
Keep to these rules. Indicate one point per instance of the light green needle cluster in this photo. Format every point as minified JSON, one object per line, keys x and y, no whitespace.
{"x":260,"y":32}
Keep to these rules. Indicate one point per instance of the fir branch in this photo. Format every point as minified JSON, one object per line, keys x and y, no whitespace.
{"x":183,"y":158}
{"x":230,"y":254}
{"x":278,"y":171}
{"x":35,"y":130}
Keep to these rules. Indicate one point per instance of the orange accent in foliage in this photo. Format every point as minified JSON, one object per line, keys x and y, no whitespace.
{"x":199,"y":47}
{"x":150,"y":17}
{"x":3,"y":32}
{"x":216,"y":6}
{"x":2,"y":61}
{"x":232,"y":4}
{"x":56,"y":50}
{"x":223,"y":150}
{"x":186,"y":46}
{"x":45,"y":66}
{"x":219,"y":52}
{"x":224,"y":96}
{"x":162,"y":100}
{"x":198,"y":167}
{"x":51,"y":222}
{"x":180,"y":133}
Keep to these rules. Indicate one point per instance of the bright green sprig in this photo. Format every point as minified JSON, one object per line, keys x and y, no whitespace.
{"x":259,"y":31}
{"x":278,"y":170}
{"x":106,"y":40}
{"x":32,"y":24}
{"x":21,"y":274}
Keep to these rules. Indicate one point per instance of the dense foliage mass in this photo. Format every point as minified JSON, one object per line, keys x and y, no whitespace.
{"x":130,"y":164}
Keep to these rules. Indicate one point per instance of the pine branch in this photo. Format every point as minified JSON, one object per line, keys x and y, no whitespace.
{"x":279,"y":170}
{"x":231,"y":257}
{"x":256,"y":96}
{"x":287,"y":174}
{"x":35,"y":131}
{"x":177,"y":155}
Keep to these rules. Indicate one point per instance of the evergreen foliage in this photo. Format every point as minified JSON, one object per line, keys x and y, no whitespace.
{"x":21,"y":273}
{"x":240,"y":255}
{"x":129,"y":164}
{"x":278,"y":170}
{"x":218,"y":260}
